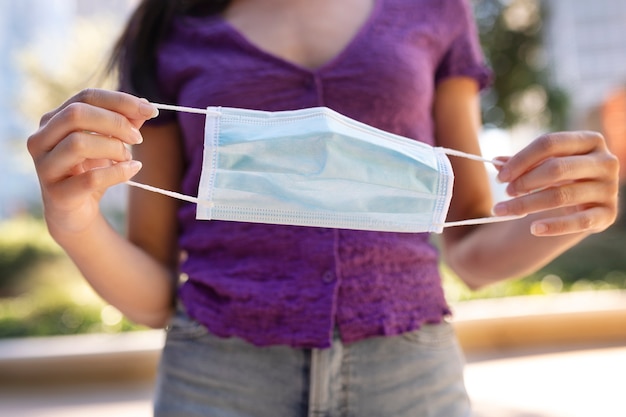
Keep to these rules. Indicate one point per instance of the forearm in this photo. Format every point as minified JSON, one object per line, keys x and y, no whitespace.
{"x":500,"y":251}
{"x":121,"y":273}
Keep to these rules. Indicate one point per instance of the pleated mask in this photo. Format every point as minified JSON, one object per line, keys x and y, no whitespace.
{"x":316,"y":167}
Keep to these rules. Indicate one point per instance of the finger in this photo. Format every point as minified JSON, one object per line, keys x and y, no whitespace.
{"x":81,"y":117}
{"x":550,"y":146}
{"x":93,"y":181}
{"x":89,"y":164}
{"x":593,"y":219}
{"x":503,"y":160}
{"x":568,"y":195}
{"x":131,"y":107}
{"x":554,"y":171}
{"x":76,"y":149}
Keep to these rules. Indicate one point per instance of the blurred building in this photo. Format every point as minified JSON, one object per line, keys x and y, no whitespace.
{"x":586,"y":44}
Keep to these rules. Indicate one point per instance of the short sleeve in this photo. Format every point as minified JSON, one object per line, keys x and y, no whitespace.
{"x":464,"y":55}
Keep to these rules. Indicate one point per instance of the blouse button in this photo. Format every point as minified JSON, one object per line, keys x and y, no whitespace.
{"x":328,"y":277}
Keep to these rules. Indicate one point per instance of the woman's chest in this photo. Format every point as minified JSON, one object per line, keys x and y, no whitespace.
{"x":309,"y":34}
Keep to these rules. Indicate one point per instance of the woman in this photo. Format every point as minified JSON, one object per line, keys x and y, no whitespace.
{"x":285,"y":320}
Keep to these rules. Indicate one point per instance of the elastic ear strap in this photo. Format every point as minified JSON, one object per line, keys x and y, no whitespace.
{"x":482,"y":220}
{"x":173,"y":194}
{"x":185,"y":109}
{"x":454,"y":152}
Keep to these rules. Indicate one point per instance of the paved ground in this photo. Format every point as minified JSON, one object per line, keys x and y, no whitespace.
{"x":85,"y":400}
{"x":577,"y":383}
{"x":585,"y":382}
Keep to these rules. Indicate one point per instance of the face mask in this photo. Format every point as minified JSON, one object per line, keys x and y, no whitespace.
{"x":316,"y":167}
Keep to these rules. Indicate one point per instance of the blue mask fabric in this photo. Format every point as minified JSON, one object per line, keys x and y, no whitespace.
{"x":316,"y":167}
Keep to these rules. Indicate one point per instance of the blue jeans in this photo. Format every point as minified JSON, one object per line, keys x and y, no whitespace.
{"x":418,"y":374}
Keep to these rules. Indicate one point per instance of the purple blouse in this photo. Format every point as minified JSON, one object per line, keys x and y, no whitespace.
{"x":294,"y":285}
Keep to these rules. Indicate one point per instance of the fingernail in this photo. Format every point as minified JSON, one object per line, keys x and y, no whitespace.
{"x":134,"y":166}
{"x":538,"y":229}
{"x":136,"y":135}
{"x":510,"y":191}
{"x":127,"y":155}
{"x":503,"y":176}
{"x":500,"y":209}
{"x":147,"y":109}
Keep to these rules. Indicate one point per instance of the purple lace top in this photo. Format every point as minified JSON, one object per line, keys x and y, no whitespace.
{"x":294,"y":285}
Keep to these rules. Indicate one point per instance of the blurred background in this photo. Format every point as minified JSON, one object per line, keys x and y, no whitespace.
{"x":48,"y":51}
{"x":559,"y":64}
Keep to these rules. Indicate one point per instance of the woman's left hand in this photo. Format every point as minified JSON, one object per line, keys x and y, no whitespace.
{"x":573,"y":172}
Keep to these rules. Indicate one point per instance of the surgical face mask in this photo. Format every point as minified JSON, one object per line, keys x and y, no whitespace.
{"x":316,"y":167}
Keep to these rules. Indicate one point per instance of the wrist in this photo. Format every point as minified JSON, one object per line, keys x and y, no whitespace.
{"x":68,"y":237}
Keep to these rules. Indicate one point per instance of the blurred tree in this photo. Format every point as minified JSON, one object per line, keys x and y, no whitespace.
{"x":512,"y":38}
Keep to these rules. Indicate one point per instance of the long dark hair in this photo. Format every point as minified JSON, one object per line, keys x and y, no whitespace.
{"x":134,"y":54}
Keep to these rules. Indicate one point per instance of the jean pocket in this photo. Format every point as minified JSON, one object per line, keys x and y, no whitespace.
{"x":181,"y":326}
{"x":433,"y":336}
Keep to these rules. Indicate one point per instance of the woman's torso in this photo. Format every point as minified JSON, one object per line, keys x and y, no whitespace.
{"x":293,"y":285}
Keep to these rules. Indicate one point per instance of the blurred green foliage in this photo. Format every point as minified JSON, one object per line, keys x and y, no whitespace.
{"x":511,"y":34}
{"x":41,"y":291}
{"x":23,"y":242}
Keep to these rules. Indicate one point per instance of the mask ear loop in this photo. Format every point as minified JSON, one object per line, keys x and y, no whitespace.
{"x":185,"y":109}
{"x":479,"y":158}
{"x":168,"y":193}
{"x":480,"y":220}
{"x":173,"y":194}
{"x":483,"y":220}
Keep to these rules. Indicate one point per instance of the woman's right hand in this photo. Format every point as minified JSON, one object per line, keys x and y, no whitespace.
{"x":80,"y":150}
